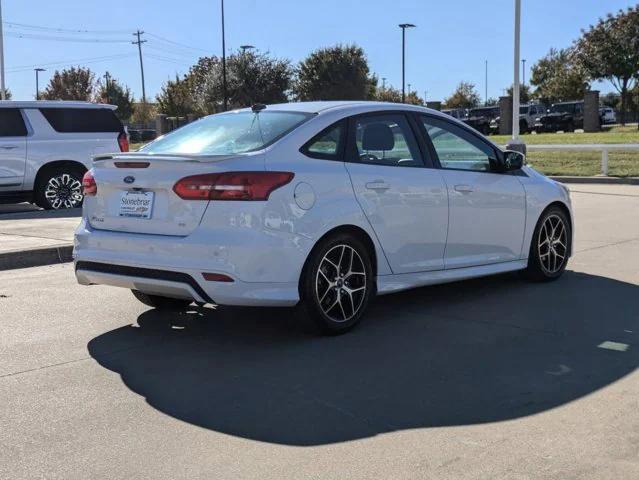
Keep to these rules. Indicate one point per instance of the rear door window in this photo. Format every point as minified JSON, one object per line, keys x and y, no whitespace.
{"x":12,"y":123}
{"x":82,"y":120}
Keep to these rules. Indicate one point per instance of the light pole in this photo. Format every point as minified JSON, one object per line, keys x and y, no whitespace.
{"x":244,"y":48}
{"x":523,"y":71}
{"x":383,"y":83}
{"x":486,"y":84}
{"x":3,"y":93}
{"x":224,"y":87}
{"x":515,"y":142}
{"x":37,"y":71}
{"x":404,"y":26}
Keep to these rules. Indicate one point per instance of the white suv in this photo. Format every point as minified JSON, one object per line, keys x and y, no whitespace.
{"x":47,"y":146}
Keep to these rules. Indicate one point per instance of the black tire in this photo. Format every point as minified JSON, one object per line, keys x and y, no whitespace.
{"x":570,"y":127}
{"x":161,"y":303}
{"x":541,"y":257}
{"x":323,"y":285}
{"x":59,"y":188}
{"x":523,"y":127}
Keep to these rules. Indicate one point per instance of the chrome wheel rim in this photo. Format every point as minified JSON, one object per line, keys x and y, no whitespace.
{"x":340,"y":283}
{"x":553,"y":244}
{"x":63,"y":191}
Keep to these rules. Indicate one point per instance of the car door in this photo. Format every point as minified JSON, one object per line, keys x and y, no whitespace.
{"x":487,"y":208}
{"x":13,"y":149}
{"x":402,"y":196}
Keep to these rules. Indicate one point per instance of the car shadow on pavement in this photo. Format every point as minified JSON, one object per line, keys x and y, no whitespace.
{"x":465,"y":353}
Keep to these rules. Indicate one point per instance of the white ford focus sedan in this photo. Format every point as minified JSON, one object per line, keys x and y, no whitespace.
{"x":319,"y":205}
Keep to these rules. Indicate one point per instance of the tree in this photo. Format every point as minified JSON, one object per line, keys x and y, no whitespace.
{"x":143,"y":113}
{"x":491,"y":102}
{"x":558,"y":77}
{"x":393,"y":95}
{"x":113,"y":93}
{"x":610,"y":50}
{"x":252,"y":77}
{"x":464,"y":96}
{"x":335,"y":73}
{"x":175,"y":98}
{"x":524,"y":93}
{"x":75,"y":83}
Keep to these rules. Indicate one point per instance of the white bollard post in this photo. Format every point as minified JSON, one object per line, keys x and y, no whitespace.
{"x":604,"y":162}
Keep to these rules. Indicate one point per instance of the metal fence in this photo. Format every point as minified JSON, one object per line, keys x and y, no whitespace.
{"x":602,"y":147}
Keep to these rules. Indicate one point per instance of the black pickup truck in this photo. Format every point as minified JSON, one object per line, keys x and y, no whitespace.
{"x":480,"y":118}
{"x":565,"y":116}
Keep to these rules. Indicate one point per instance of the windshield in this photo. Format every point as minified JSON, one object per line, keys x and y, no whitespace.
{"x":523,"y":110}
{"x":228,"y":133}
{"x":565,"y":108}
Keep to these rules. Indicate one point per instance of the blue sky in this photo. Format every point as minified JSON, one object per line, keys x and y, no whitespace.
{"x":452,"y":40}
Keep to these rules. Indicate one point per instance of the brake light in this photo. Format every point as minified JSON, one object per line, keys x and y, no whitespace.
{"x":123,"y":141}
{"x":231,"y":185}
{"x":89,"y":187}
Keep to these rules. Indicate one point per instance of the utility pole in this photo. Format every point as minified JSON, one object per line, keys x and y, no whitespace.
{"x":486,"y":84}
{"x":37,"y":71}
{"x":107,"y":78}
{"x":515,"y":142}
{"x":383,"y":83}
{"x":3,"y":93}
{"x":404,"y":26}
{"x":224,"y":85}
{"x":139,"y":43}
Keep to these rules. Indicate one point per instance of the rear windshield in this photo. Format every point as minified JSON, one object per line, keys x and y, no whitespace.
{"x":228,"y":133}
{"x":82,"y":120}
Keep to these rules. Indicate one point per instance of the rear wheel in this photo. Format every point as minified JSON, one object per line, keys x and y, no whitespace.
{"x":161,"y":303}
{"x":337,"y":284}
{"x":59,"y":188}
{"x":550,"y":246}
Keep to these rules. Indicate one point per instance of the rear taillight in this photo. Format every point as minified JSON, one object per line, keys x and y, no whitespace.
{"x":231,"y":185}
{"x":123,"y":141}
{"x":89,"y":187}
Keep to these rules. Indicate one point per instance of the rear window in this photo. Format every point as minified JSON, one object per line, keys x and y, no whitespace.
{"x":228,"y":133}
{"x":82,"y":120}
{"x":12,"y":123}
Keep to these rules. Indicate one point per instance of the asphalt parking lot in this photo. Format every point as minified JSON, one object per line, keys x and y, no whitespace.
{"x":486,"y":379}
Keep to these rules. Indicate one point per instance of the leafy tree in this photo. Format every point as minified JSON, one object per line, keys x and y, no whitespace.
{"x":464,"y":96}
{"x":610,"y":50}
{"x":113,"y":93}
{"x":491,"y":102}
{"x":143,"y":113}
{"x":252,"y":77}
{"x":524,"y":93}
{"x":175,"y":98}
{"x":335,"y":73}
{"x":75,"y":83}
{"x":558,"y":77}
{"x":393,"y":95}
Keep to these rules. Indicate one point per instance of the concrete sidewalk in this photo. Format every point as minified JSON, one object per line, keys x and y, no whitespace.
{"x":30,"y":237}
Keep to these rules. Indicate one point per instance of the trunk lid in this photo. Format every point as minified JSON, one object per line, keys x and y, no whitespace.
{"x":127,"y":181}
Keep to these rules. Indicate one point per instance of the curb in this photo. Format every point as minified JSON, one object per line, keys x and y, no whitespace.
{"x":598,"y":179}
{"x":36,"y":257}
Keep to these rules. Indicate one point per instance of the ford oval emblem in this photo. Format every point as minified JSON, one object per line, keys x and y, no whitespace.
{"x":129,"y":179}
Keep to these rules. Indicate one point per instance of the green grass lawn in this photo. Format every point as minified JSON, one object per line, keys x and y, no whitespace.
{"x":629,"y":134}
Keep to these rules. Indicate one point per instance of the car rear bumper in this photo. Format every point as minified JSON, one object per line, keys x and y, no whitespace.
{"x":174,"y":267}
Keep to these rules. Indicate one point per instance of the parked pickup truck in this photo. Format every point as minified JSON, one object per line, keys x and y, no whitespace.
{"x":565,"y":116}
{"x":527,"y":116}
{"x":480,"y":118}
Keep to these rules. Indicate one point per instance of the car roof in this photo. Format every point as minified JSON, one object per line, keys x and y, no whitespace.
{"x":53,"y":104}
{"x":358,"y":106}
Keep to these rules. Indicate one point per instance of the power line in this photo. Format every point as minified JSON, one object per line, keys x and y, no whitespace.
{"x":27,"y":26}
{"x":167,"y":59}
{"x":34,"y":36}
{"x":106,"y":58}
{"x":158,"y":37}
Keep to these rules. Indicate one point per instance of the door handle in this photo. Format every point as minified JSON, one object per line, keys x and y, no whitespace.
{"x":377,"y":185}
{"x":8,"y":147}
{"x":463,"y":188}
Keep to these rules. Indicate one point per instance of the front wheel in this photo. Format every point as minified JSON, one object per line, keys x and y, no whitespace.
{"x":161,"y":303}
{"x":337,"y":284}
{"x":550,"y":246}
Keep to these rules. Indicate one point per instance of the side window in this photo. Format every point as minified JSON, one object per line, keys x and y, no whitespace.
{"x":386,"y":140}
{"x":327,"y":144}
{"x":456,"y":148}
{"x":12,"y":123}
{"x":82,"y":120}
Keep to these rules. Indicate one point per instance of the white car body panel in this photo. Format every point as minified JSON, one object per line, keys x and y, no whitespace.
{"x":263,"y":245}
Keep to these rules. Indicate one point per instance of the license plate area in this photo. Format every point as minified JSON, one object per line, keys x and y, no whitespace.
{"x":136,"y":204}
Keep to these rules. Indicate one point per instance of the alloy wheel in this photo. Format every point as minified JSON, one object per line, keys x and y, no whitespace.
{"x":63,"y":191}
{"x":552,"y":246}
{"x":340,"y":283}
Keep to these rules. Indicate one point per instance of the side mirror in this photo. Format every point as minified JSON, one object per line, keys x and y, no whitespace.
{"x":513,"y":160}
